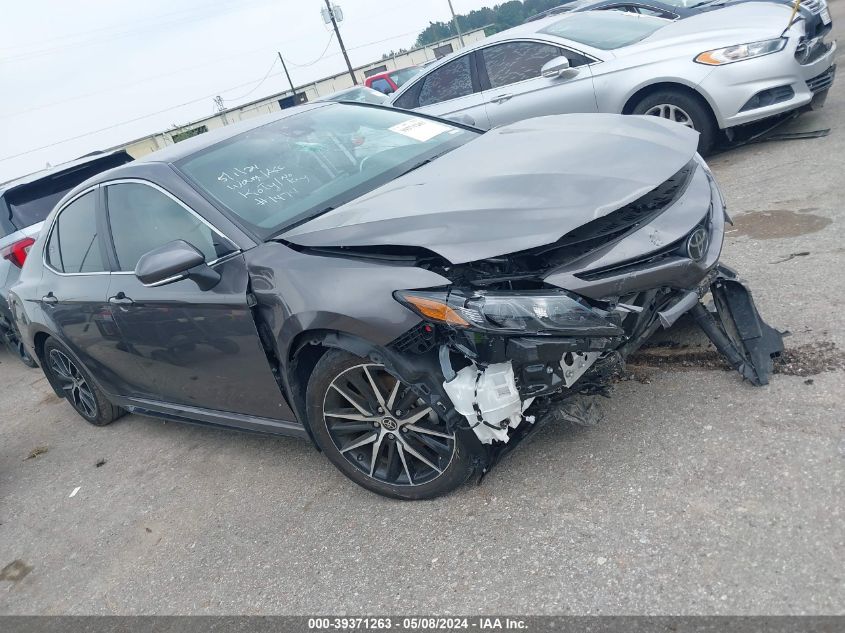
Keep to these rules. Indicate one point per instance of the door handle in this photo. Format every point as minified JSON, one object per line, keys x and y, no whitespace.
{"x":502,"y":98}
{"x":50,"y":299}
{"x":120,"y":299}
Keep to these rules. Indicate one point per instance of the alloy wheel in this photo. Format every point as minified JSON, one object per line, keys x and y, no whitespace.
{"x":72,"y":381}
{"x":671,"y":112}
{"x":384,"y":429}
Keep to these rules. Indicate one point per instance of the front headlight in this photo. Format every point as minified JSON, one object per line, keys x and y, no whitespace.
{"x":731,"y":54}
{"x":529,"y":312}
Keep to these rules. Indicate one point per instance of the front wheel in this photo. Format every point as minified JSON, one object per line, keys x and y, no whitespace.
{"x":685,"y":109}
{"x":78,"y":388}
{"x":380,"y":433}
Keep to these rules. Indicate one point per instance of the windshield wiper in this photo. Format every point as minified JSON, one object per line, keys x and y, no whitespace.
{"x":307,"y":218}
{"x":424,"y":162}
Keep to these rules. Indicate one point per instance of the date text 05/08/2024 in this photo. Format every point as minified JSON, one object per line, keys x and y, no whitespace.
{"x":415,"y":623}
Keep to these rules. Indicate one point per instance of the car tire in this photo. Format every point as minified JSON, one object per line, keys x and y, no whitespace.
{"x":415,"y":457}
{"x":17,"y":348}
{"x":67,"y":375}
{"x":686,"y":109}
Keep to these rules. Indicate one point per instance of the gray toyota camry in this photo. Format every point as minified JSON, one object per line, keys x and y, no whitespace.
{"x":414,"y":296}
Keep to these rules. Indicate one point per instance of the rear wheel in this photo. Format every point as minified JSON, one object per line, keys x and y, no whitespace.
{"x":682,"y":108}
{"x":16,"y":347}
{"x":379,"y":433}
{"x":79,"y":390}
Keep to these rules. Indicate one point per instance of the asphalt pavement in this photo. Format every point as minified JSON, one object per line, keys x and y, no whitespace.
{"x":697,"y":494}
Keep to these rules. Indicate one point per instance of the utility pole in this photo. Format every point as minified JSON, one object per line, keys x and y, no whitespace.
{"x":287,"y":74}
{"x":331,"y":15}
{"x":455,"y":22}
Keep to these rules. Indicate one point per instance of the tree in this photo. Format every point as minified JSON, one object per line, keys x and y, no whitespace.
{"x":500,"y":17}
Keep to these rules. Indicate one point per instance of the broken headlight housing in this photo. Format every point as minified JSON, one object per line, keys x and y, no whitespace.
{"x":528,"y":312}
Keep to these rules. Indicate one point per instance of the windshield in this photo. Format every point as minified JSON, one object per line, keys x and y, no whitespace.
{"x":605,"y":30}
{"x":295,"y":168}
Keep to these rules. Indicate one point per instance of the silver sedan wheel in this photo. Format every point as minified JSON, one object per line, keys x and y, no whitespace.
{"x":671,"y":112}
{"x":384,"y":429}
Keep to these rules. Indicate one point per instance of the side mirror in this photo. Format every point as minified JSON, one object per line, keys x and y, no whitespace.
{"x":554,"y":68}
{"x":174,"y":261}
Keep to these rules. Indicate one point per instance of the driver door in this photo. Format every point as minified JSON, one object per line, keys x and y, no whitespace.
{"x":451,"y":91}
{"x":190,"y":347}
{"x":514,"y":88}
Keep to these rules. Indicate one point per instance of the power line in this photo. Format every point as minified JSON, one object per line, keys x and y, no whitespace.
{"x":331,"y":37}
{"x":192,"y":18}
{"x":116,"y":125}
{"x":175,"y":107}
{"x":134,"y":83}
{"x":260,"y":83}
{"x":107,"y":28}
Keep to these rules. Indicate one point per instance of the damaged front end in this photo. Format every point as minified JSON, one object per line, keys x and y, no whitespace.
{"x":518,"y":337}
{"x":554,"y":247}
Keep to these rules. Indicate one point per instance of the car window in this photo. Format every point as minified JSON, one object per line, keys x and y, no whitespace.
{"x":606,"y":30}
{"x":657,"y":13}
{"x":143,"y":218}
{"x":516,"y":61}
{"x":298,"y":167}
{"x":447,"y":82}
{"x":74,"y":246}
{"x":382,"y":85}
{"x":402,"y":75}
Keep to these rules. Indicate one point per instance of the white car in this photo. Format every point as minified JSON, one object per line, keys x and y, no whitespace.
{"x":711,"y":72}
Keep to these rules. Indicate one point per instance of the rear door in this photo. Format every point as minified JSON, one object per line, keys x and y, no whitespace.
{"x":74,"y":288}
{"x":514,"y":88}
{"x":451,"y":91}
{"x":194,"y":348}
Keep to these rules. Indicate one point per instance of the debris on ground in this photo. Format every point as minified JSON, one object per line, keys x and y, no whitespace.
{"x":35,"y":452}
{"x":811,"y":359}
{"x":804,"y":360}
{"x":15,"y":571}
{"x":792,"y":256}
{"x":794,"y":136}
{"x":101,"y":462}
{"x":581,"y":410}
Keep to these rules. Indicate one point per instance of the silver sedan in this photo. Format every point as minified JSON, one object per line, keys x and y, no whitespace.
{"x":711,"y":72}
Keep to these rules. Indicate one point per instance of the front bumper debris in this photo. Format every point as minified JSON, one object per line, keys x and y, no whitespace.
{"x":502,"y":387}
{"x":737,"y":330}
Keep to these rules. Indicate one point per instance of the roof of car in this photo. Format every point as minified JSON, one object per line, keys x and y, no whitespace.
{"x":385,"y":73}
{"x":55,"y":170}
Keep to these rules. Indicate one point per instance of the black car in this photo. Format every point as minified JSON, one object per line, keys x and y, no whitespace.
{"x":24,"y":203}
{"x":815,"y":12}
{"x":413,"y":295}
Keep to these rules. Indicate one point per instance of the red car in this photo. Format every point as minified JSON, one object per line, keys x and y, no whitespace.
{"x":389,"y":81}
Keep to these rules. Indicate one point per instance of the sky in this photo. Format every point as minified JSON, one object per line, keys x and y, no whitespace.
{"x":82,"y":75}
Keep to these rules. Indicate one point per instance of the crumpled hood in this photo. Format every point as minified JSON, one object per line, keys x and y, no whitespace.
{"x":515,"y":187}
